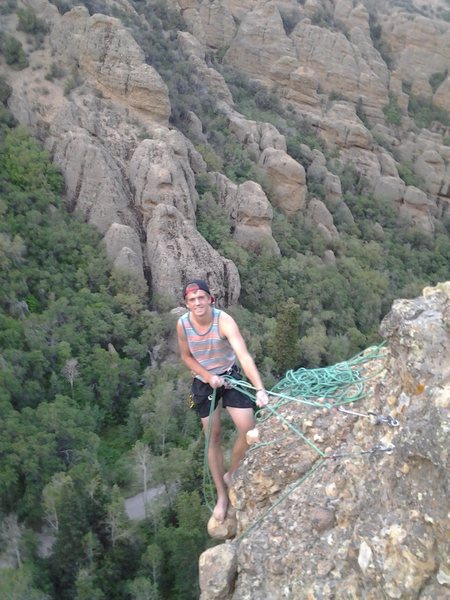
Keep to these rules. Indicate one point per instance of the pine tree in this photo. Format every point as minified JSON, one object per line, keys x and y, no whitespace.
{"x":284,"y":348}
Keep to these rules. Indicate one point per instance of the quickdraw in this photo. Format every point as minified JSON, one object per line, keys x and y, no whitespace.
{"x":375,"y":419}
{"x":387,"y":449}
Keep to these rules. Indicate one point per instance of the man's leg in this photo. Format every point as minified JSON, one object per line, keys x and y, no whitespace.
{"x":215,"y":461}
{"x":244,"y":420}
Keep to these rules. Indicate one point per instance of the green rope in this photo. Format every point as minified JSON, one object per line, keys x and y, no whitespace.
{"x":208,"y":486}
{"x":341,"y":383}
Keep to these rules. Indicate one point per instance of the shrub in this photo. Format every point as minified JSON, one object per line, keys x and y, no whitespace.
{"x":337,"y":97}
{"x":212,"y":160}
{"x":290,"y":20}
{"x":63,"y":6}
{"x":266,"y":100}
{"x":14,"y":53}
{"x":424,"y":113}
{"x":436,"y":79}
{"x":392,"y":111}
{"x":6,"y":117}
{"x":8,"y":6}
{"x":55,"y":72}
{"x":28,"y":21}
{"x":72,"y":82}
{"x":406,"y":172}
{"x":406,"y":87}
{"x":5,"y":90}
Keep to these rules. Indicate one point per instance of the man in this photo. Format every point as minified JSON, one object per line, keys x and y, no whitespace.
{"x":210,"y":341}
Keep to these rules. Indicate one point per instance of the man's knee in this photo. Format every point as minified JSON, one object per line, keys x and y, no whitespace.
{"x":215,"y":436}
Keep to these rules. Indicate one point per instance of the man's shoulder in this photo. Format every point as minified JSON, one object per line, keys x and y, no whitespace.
{"x":226,"y":322}
{"x":218,"y":312}
{"x":183,"y":319}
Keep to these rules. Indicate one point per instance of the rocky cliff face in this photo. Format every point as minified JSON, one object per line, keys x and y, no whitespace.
{"x":369,"y":521}
{"x":337,"y":64}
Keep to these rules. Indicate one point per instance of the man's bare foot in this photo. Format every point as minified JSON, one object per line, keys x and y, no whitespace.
{"x":220,"y":510}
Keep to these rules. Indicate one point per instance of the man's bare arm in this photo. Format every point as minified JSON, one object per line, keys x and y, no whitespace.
{"x":230,"y":330}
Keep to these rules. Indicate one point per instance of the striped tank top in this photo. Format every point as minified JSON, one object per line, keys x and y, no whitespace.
{"x":210,"y":349}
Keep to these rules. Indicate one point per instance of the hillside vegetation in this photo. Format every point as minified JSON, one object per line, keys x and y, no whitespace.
{"x":76,"y":395}
{"x":93,"y":400}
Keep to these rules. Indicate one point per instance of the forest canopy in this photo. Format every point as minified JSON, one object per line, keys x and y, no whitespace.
{"x":81,"y":408}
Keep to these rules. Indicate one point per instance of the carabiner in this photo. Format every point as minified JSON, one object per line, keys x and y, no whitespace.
{"x":382,"y":419}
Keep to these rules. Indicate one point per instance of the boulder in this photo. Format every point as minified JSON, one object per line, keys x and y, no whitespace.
{"x":356,"y":73}
{"x":160,"y":173}
{"x":332,"y":188}
{"x":415,"y":209}
{"x":124,"y":248}
{"x":320,"y":216}
{"x":223,"y":530}
{"x":317,"y":170}
{"x":218,"y":571}
{"x":249,"y":211}
{"x":107,"y":54}
{"x":419,"y":46}
{"x":389,"y":188}
{"x":254,"y":136}
{"x":176,"y":252}
{"x":94,"y":182}
{"x":286,"y":178}
{"x":342,"y":128}
{"x":259,"y":42}
{"x":352,"y":16}
{"x":297,"y":83}
{"x":212,"y":79}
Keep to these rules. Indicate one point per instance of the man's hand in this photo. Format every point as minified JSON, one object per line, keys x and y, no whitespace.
{"x":262,"y":399}
{"x":216,"y":382}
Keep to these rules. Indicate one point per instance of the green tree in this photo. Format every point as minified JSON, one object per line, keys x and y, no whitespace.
{"x":5,"y":90}
{"x":142,"y":588}
{"x":17,"y":584}
{"x":29,"y":22}
{"x":118,"y":522}
{"x":284,"y":346}
{"x":13,"y":52}
{"x":182,"y":544}
{"x":86,"y":586}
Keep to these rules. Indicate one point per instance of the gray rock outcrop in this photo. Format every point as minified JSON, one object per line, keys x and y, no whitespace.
{"x":108,"y":55}
{"x":337,"y":65}
{"x":287,"y":180}
{"x":249,"y":211}
{"x":373,"y":520}
{"x":124,"y":248}
{"x":177,"y":253}
{"x":160,"y":173}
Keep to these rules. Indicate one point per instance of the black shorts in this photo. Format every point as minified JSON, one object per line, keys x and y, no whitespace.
{"x":201,"y":393}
